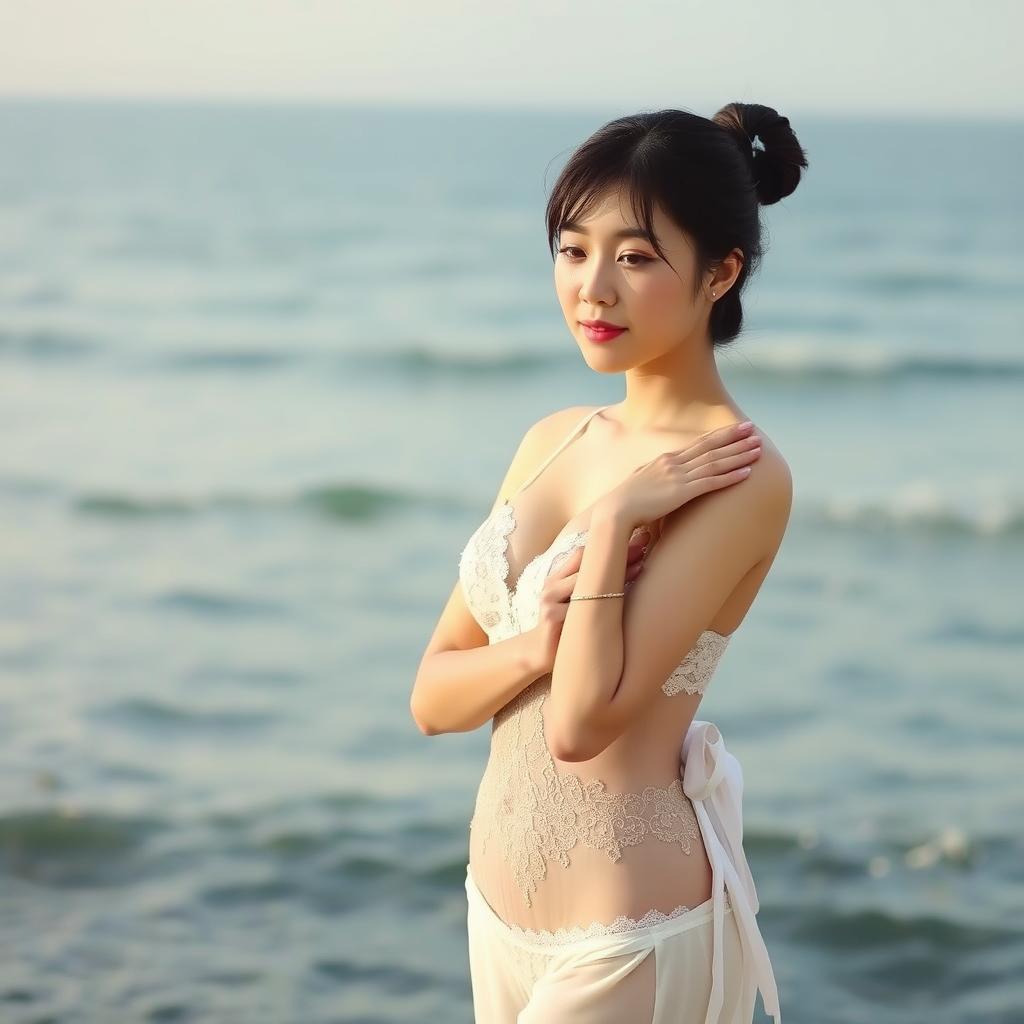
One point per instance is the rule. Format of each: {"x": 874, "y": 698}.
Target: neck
{"x": 680, "y": 392}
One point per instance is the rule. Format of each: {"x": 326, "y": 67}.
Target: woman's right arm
{"x": 458, "y": 689}
{"x": 462, "y": 680}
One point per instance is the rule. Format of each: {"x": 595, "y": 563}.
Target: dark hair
{"x": 704, "y": 172}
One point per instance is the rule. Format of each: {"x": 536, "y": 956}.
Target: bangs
{"x": 583, "y": 189}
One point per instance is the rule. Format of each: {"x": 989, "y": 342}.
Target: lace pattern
{"x": 693, "y": 673}
{"x": 621, "y": 925}
{"x": 501, "y": 612}
{"x": 483, "y": 569}
{"x": 534, "y": 812}
{"x": 540, "y": 814}
{"x": 561, "y": 936}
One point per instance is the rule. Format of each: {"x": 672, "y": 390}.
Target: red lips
{"x": 601, "y": 330}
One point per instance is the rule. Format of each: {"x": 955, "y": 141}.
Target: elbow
{"x": 563, "y": 752}
{"x": 426, "y": 729}
{"x": 578, "y": 735}
{"x": 422, "y": 723}
{"x": 575, "y": 743}
{"x": 581, "y": 733}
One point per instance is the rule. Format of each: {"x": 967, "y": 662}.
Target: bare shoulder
{"x": 561, "y": 421}
{"x": 757, "y": 509}
{"x": 774, "y": 495}
{"x": 539, "y": 440}
{"x": 774, "y": 481}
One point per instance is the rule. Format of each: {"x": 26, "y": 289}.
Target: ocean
{"x": 264, "y": 367}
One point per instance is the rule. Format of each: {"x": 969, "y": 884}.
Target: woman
{"x": 606, "y": 879}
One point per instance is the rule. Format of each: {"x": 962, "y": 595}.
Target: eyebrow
{"x": 630, "y": 232}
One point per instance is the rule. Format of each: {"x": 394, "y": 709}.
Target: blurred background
{"x": 275, "y": 309}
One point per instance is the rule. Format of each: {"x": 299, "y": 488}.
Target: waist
{"x": 650, "y": 926}
{"x": 559, "y": 886}
{"x": 550, "y": 810}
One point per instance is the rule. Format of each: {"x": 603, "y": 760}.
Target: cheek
{"x": 658, "y": 301}
{"x": 564, "y": 284}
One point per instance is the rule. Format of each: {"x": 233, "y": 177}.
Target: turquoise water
{"x": 263, "y": 369}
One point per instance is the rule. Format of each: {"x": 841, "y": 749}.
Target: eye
{"x": 641, "y": 260}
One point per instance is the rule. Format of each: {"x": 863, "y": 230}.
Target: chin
{"x": 609, "y": 362}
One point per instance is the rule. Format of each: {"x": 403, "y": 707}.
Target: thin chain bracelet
{"x": 590, "y": 597}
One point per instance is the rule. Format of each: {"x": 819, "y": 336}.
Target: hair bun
{"x": 769, "y": 143}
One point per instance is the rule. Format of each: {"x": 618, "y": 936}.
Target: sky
{"x": 880, "y": 57}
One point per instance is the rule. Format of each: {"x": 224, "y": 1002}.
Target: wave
{"x": 758, "y": 358}
{"x": 348, "y": 502}
{"x": 204, "y": 360}
{"x": 66, "y": 844}
{"x": 920, "y": 511}
{"x": 150, "y": 712}
{"x": 868, "y": 927}
{"x": 796, "y": 362}
{"x": 42, "y": 343}
{"x": 785, "y": 361}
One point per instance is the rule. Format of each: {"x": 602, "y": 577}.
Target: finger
{"x": 722, "y": 466}
{"x": 732, "y": 430}
{"x": 716, "y": 481}
{"x": 737, "y": 447}
{"x": 570, "y": 561}
{"x": 636, "y": 549}
{"x": 565, "y": 564}
{"x": 562, "y": 586}
{"x": 728, "y": 434}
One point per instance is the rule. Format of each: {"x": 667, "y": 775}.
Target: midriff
{"x": 557, "y": 844}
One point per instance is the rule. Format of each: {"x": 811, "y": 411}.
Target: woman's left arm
{"x": 614, "y": 654}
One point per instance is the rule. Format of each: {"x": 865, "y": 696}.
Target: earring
{"x": 712, "y": 293}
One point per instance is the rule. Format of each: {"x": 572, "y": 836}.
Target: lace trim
{"x": 483, "y": 568}
{"x": 575, "y": 933}
{"x": 503, "y": 611}
{"x": 694, "y": 672}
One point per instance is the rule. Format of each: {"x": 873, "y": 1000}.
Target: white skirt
{"x": 658, "y": 974}
{"x": 704, "y": 966}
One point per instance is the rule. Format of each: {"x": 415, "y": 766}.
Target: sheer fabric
{"x": 592, "y": 852}
{"x": 653, "y": 973}
{"x": 536, "y": 812}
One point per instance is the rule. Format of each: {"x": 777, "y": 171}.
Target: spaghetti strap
{"x": 572, "y": 433}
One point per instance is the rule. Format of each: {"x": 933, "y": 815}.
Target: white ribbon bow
{"x": 713, "y": 780}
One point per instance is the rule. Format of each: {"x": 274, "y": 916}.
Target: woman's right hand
{"x": 554, "y": 599}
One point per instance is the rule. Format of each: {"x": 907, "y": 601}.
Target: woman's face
{"x": 602, "y": 275}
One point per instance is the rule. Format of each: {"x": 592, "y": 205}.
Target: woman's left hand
{"x": 653, "y": 490}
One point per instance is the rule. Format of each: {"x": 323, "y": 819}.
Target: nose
{"x": 594, "y": 289}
